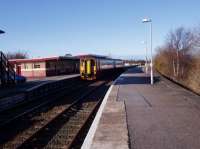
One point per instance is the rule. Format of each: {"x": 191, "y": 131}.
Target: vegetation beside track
{"x": 179, "y": 58}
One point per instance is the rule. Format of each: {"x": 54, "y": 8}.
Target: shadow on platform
{"x": 134, "y": 70}
{"x": 125, "y": 80}
{"x": 136, "y": 76}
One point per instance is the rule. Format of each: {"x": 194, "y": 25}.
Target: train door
{"x": 90, "y": 68}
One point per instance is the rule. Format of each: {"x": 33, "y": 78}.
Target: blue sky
{"x": 107, "y": 27}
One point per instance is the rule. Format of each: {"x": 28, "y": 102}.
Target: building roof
{"x": 91, "y": 55}
{"x": 42, "y": 59}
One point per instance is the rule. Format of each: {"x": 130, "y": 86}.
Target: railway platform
{"x": 135, "y": 114}
{"x": 13, "y": 90}
{"x": 53, "y": 78}
{"x": 11, "y": 96}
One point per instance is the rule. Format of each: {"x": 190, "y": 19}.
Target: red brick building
{"x": 42, "y": 67}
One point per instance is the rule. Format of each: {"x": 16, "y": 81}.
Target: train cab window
{"x": 83, "y": 63}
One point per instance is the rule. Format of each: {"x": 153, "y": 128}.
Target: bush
{"x": 179, "y": 58}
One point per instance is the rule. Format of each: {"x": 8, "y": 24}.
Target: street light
{"x": 147, "y": 20}
{"x": 2, "y": 32}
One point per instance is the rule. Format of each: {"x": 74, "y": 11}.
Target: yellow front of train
{"x": 88, "y": 69}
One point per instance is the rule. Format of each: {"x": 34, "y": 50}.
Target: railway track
{"x": 54, "y": 124}
{"x": 29, "y": 119}
{"x": 19, "y": 110}
{"x": 36, "y": 92}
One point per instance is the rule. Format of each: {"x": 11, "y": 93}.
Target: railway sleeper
{"x": 60, "y": 141}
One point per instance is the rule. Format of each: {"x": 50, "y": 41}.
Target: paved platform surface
{"x": 162, "y": 116}
{"x": 13, "y": 90}
{"x": 112, "y": 130}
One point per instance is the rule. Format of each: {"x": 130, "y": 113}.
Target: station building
{"x": 43, "y": 67}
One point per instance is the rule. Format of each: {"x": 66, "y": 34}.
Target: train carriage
{"x": 93, "y": 66}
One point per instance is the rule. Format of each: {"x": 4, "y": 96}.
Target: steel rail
{"x": 45, "y": 102}
{"x": 72, "y": 108}
{"x": 61, "y": 115}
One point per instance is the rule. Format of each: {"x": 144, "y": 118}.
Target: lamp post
{"x": 2, "y": 32}
{"x": 145, "y": 43}
{"x": 147, "y": 20}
